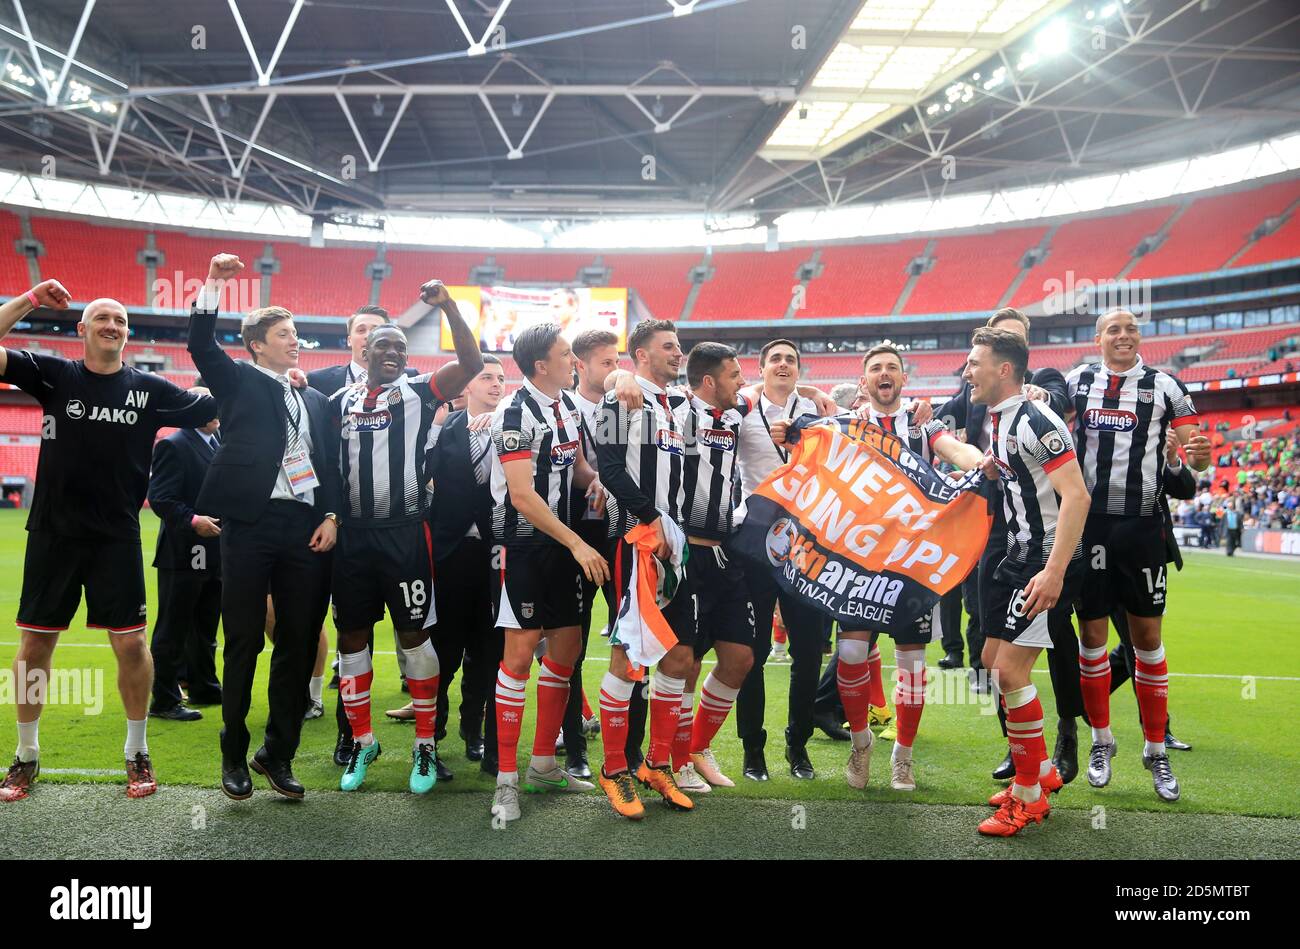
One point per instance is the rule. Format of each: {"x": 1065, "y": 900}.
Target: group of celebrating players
{"x": 529, "y": 504}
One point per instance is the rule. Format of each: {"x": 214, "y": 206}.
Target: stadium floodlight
{"x": 895, "y": 54}
{"x": 1053, "y": 39}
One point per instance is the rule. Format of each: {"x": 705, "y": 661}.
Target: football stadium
{"x": 636, "y": 414}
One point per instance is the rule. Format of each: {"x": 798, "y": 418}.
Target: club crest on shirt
{"x": 1146, "y": 395}
{"x": 1110, "y": 420}
{"x": 526, "y": 610}
{"x": 563, "y": 455}
{"x": 1013, "y": 445}
{"x": 394, "y": 396}
{"x": 670, "y": 441}
{"x": 719, "y": 438}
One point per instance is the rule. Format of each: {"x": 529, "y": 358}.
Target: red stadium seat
{"x": 14, "y": 278}
{"x": 543, "y": 267}
{"x": 972, "y": 272}
{"x": 750, "y": 285}
{"x": 189, "y": 257}
{"x": 1095, "y": 249}
{"x": 93, "y": 260}
{"x": 1214, "y": 228}
{"x": 1282, "y": 244}
{"x": 412, "y": 268}
{"x": 20, "y": 419}
{"x": 662, "y": 281}
{"x": 860, "y": 279}
{"x": 321, "y": 281}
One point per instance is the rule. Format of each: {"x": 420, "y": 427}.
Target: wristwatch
{"x": 333, "y": 517}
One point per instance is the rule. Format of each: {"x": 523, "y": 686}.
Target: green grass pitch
{"x": 1234, "y": 694}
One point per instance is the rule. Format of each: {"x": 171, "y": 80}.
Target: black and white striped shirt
{"x": 711, "y": 479}
{"x": 643, "y": 455}
{"x": 1029, "y": 442}
{"x": 546, "y": 432}
{"x": 384, "y": 432}
{"x": 919, "y": 438}
{"x": 1121, "y": 419}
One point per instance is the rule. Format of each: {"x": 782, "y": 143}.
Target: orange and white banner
{"x": 861, "y": 527}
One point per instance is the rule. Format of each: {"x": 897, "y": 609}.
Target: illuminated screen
{"x": 498, "y": 314}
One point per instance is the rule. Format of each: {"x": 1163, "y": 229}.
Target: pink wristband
{"x": 36, "y": 304}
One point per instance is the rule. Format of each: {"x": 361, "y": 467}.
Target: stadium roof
{"x": 555, "y": 108}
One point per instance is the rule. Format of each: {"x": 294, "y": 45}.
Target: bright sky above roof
{"x": 1080, "y": 195}
{"x": 895, "y": 54}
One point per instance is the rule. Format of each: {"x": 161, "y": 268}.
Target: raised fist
{"x": 434, "y": 293}
{"x": 224, "y": 267}
{"x": 52, "y": 294}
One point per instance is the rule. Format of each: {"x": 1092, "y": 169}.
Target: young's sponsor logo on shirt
{"x": 1110, "y": 420}
{"x": 367, "y": 422}
{"x": 670, "y": 441}
{"x": 564, "y": 455}
{"x": 720, "y": 438}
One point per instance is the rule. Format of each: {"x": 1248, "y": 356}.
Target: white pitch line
{"x": 88, "y": 772}
{"x": 710, "y": 662}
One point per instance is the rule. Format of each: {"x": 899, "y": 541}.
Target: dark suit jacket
{"x": 329, "y": 380}
{"x": 969, "y": 415}
{"x": 1183, "y": 487}
{"x": 254, "y": 425}
{"x": 180, "y": 462}
{"x": 458, "y": 499}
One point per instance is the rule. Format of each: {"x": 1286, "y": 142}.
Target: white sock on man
{"x": 135, "y": 738}
{"x": 1102, "y": 736}
{"x": 315, "y": 687}
{"x": 901, "y": 753}
{"x": 29, "y": 746}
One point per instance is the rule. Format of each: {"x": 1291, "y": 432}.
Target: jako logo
{"x": 103, "y": 902}
{"x": 1110, "y": 420}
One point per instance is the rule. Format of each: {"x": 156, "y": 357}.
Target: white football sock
{"x": 315, "y": 687}
{"x": 135, "y": 738}
{"x": 29, "y": 746}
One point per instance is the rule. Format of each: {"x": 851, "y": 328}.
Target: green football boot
{"x": 424, "y": 773}
{"x": 358, "y": 763}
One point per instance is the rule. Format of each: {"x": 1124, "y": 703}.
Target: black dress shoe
{"x": 343, "y": 750}
{"x": 1066, "y": 754}
{"x": 474, "y": 749}
{"x": 577, "y": 766}
{"x": 204, "y": 698}
{"x": 334, "y": 682}
{"x": 833, "y": 729}
{"x": 755, "y": 764}
{"x": 444, "y": 773}
{"x": 951, "y": 661}
{"x": 1005, "y": 769}
{"x": 177, "y": 713}
{"x": 488, "y": 765}
{"x": 236, "y": 783}
{"x": 800, "y": 766}
{"x": 279, "y": 774}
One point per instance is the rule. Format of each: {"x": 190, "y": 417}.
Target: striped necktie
{"x": 293, "y": 440}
